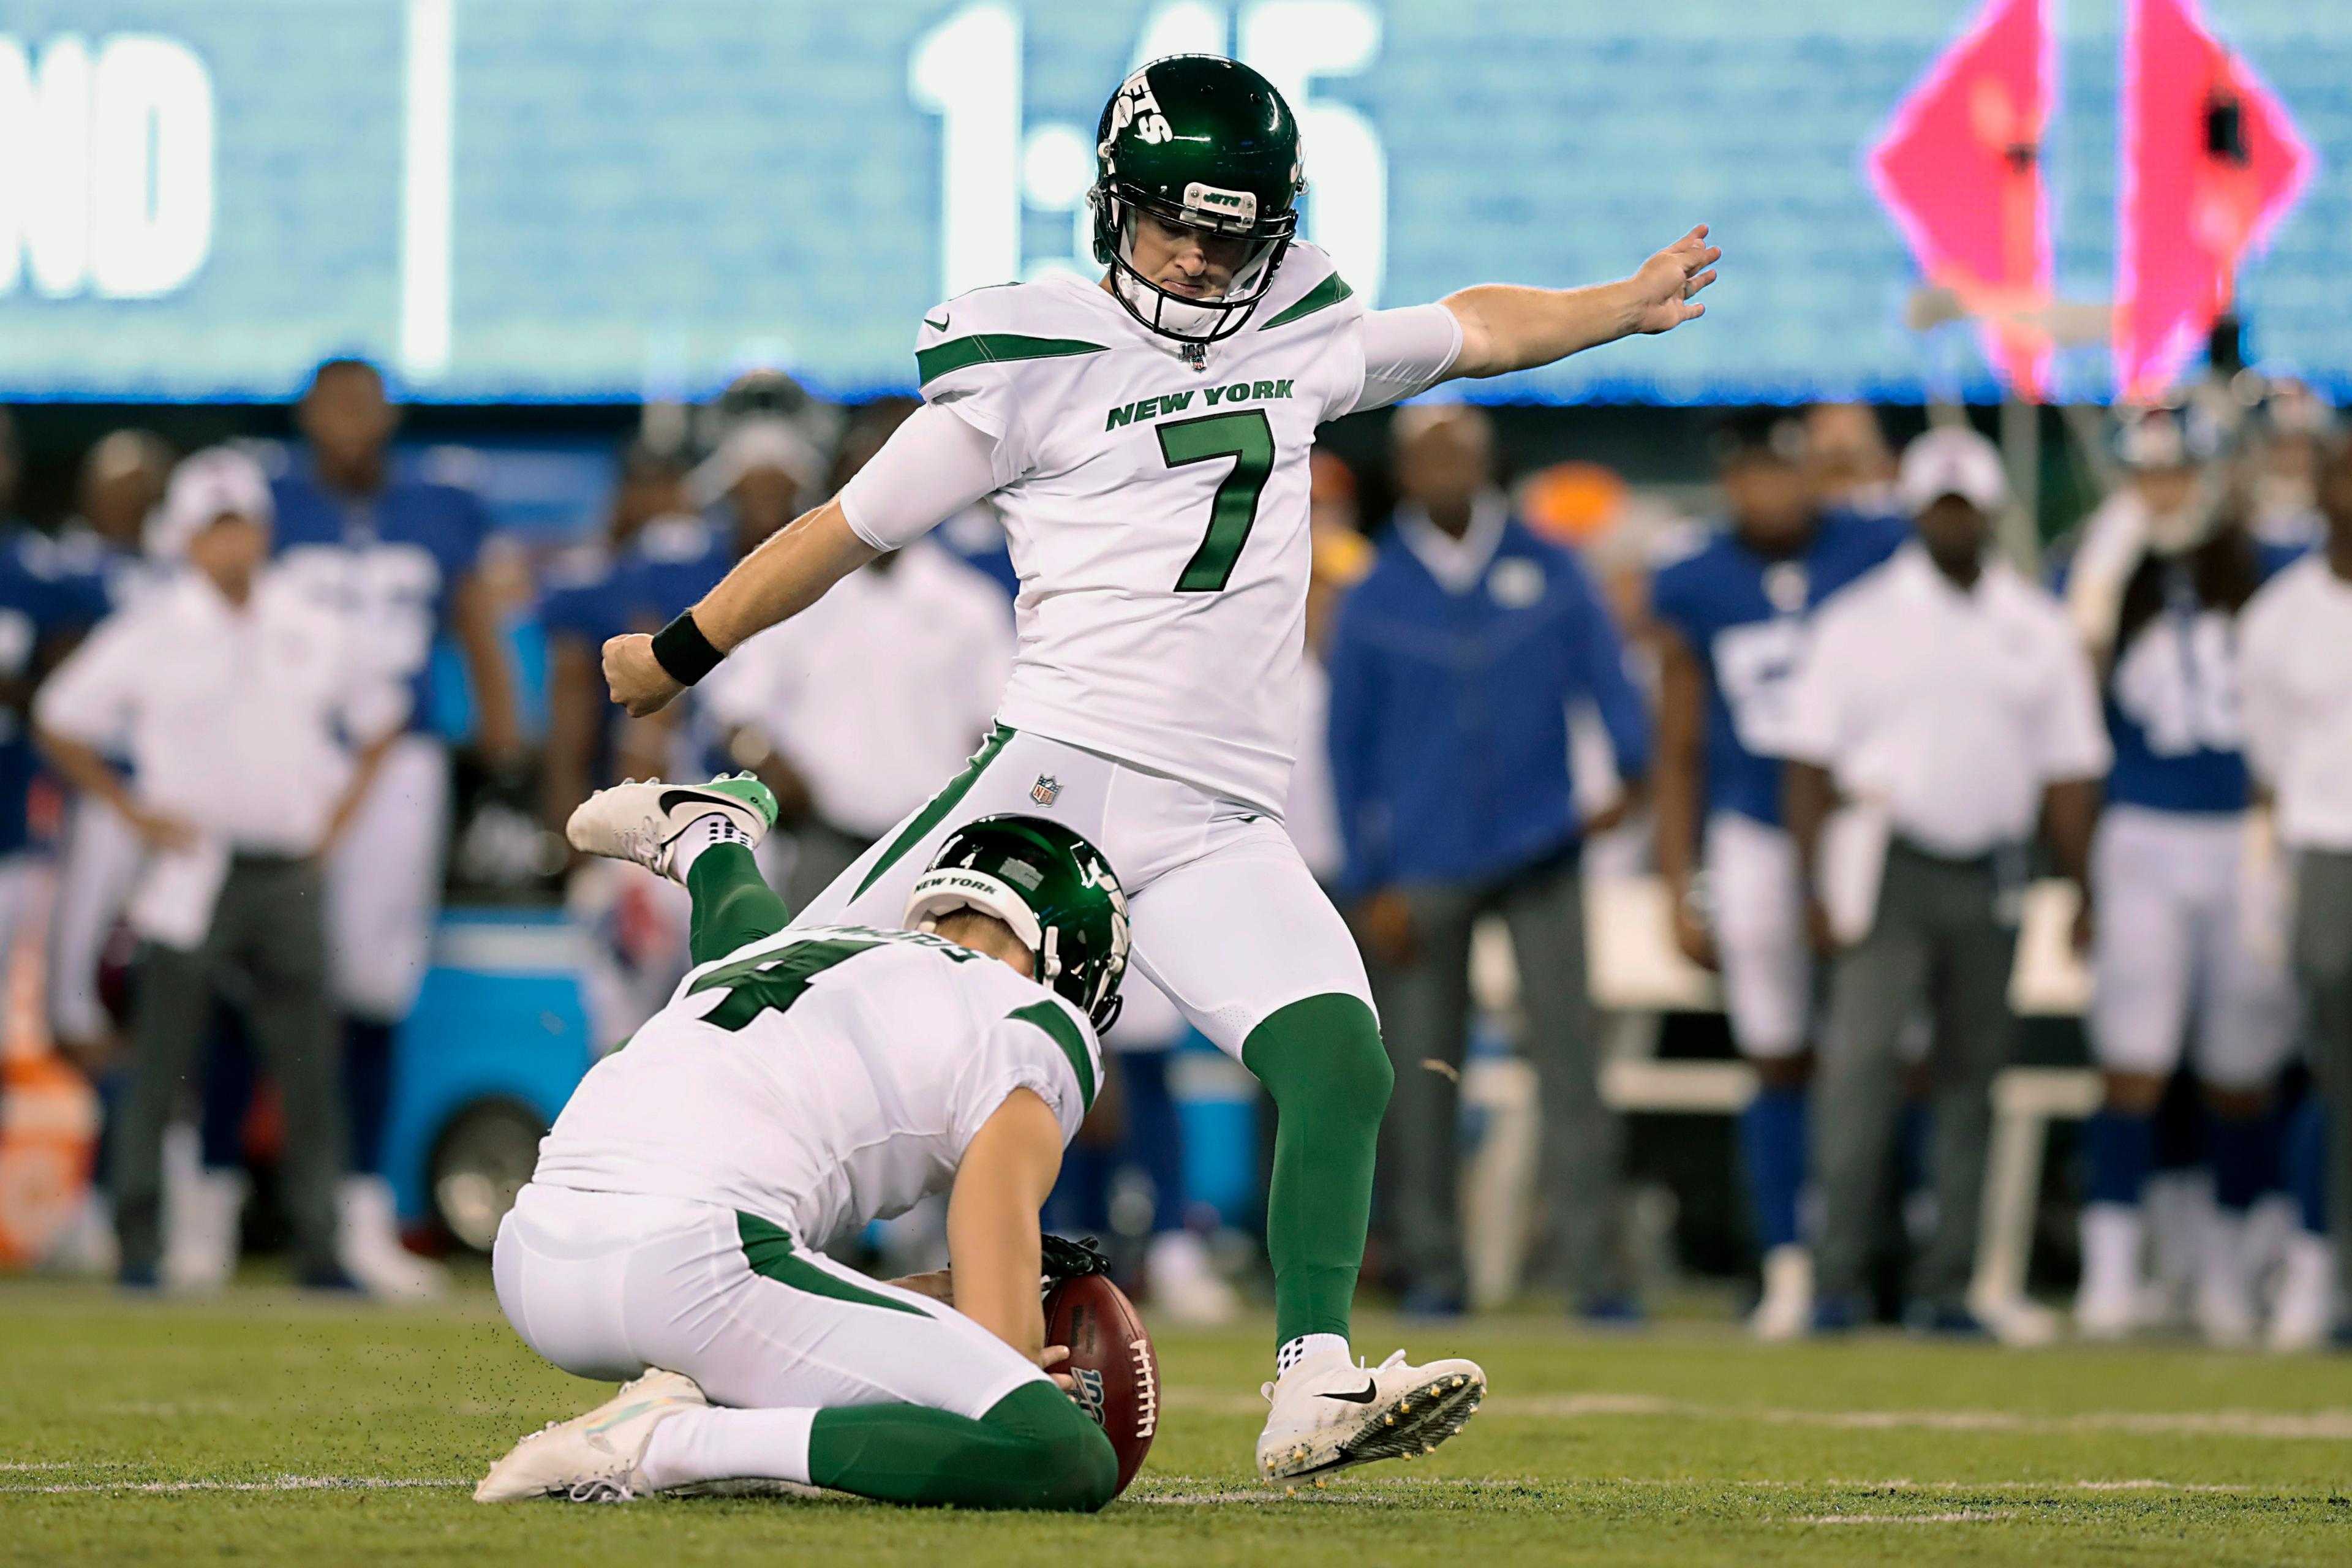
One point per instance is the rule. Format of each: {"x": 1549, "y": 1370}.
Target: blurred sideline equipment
{"x": 1638, "y": 975}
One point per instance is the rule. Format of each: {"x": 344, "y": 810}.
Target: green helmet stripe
{"x": 1064, "y": 1034}
{"x": 1329, "y": 292}
{"x": 992, "y": 348}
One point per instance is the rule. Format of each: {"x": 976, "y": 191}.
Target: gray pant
{"x": 270, "y": 923}
{"x": 1938, "y": 938}
{"x": 1424, "y": 1018}
{"x": 2323, "y": 962}
{"x": 820, "y": 855}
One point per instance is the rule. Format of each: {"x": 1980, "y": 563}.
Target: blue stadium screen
{"x": 610, "y": 199}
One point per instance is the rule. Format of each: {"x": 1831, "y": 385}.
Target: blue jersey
{"x": 2172, "y": 698}
{"x": 670, "y": 563}
{"x": 1743, "y": 616}
{"x": 392, "y": 560}
{"x": 44, "y": 593}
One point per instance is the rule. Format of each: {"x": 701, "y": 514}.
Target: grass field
{"x": 267, "y": 1429}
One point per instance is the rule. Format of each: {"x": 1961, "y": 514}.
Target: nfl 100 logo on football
{"x": 1046, "y": 790}
{"x": 1089, "y": 1391}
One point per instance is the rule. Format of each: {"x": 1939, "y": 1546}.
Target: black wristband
{"x": 680, "y": 649}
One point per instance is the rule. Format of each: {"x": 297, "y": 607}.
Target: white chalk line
{"x": 280, "y": 1484}
{"x": 2326, "y": 1426}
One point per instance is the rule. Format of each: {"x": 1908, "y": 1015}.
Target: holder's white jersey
{"x": 820, "y": 1078}
{"x": 1157, "y": 512}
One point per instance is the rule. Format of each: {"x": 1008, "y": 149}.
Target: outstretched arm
{"x": 1507, "y": 327}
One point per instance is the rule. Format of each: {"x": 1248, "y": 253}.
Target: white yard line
{"x": 2326, "y": 1426}
{"x": 1965, "y": 1516}
{"x": 281, "y": 1484}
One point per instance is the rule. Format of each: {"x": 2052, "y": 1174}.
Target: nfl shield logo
{"x": 1046, "y": 790}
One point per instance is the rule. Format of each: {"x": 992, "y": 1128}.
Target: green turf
{"x": 271, "y": 1429}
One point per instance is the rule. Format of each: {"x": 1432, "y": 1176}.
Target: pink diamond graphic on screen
{"x": 1960, "y": 170}
{"x": 2212, "y": 162}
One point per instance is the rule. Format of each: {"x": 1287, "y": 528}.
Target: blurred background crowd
{"x": 1768, "y": 760}
{"x": 1847, "y": 810}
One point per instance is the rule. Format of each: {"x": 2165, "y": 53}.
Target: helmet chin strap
{"x": 1166, "y": 311}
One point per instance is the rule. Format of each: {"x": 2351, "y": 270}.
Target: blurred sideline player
{"x": 2296, "y": 681}
{"x": 46, "y": 605}
{"x": 123, "y": 480}
{"x": 748, "y": 488}
{"x": 1181, "y": 1282}
{"x": 1848, "y": 464}
{"x": 803, "y": 1082}
{"x": 2292, "y": 428}
{"x": 578, "y": 610}
{"x": 1732, "y": 619}
{"x": 398, "y": 554}
{"x": 2191, "y": 940}
{"x": 853, "y": 712}
{"x": 1146, "y": 442}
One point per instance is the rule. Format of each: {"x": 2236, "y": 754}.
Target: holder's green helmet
{"x": 1053, "y": 888}
{"x": 1208, "y": 143}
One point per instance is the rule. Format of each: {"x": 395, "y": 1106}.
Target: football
{"x": 1111, "y": 1358}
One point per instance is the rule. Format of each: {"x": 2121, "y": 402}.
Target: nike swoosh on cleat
{"x": 1372, "y": 1392}
{"x": 673, "y": 798}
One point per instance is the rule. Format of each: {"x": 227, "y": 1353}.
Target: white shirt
{"x": 1458, "y": 564}
{"x": 841, "y": 1086}
{"x": 1952, "y": 707}
{"x": 238, "y": 720}
{"x": 2294, "y": 676}
{"x": 877, "y": 692}
{"x": 1157, "y": 514}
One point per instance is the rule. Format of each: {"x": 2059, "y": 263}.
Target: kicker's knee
{"x": 1322, "y": 1054}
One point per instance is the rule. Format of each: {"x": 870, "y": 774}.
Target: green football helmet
{"x": 1208, "y": 143}
{"x": 1053, "y": 888}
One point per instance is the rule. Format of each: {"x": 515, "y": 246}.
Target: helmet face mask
{"x": 1051, "y": 888}
{"x": 1204, "y": 143}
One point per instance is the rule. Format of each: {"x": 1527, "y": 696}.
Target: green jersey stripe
{"x": 770, "y": 1252}
{"x": 1064, "y": 1034}
{"x": 1329, "y": 292}
{"x": 931, "y": 815}
{"x": 990, "y": 348}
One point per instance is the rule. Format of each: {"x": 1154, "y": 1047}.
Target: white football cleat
{"x": 1186, "y": 1288}
{"x": 640, "y": 821}
{"x": 369, "y": 1248}
{"x": 2305, "y": 1309}
{"x": 1327, "y": 1413}
{"x": 2110, "y": 1302}
{"x": 1785, "y": 1310}
{"x": 2226, "y": 1315}
{"x": 592, "y": 1457}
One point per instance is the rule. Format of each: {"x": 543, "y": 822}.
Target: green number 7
{"x": 1248, "y": 439}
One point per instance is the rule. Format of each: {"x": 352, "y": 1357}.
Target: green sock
{"x": 1033, "y": 1449}
{"x": 733, "y": 902}
{"x": 1322, "y": 1061}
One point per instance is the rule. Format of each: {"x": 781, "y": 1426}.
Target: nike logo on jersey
{"x": 938, "y": 326}
{"x": 1210, "y": 396}
{"x": 1372, "y": 1392}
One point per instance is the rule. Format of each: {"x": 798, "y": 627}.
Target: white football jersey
{"x": 820, "y": 1079}
{"x": 1157, "y": 512}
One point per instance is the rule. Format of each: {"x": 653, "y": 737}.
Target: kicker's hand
{"x": 1665, "y": 288}
{"x": 638, "y": 680}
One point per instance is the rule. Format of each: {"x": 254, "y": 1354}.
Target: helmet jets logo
{"x": 1221, "y": 206}
{"x": 1135, "y": 106}
{"x": 1046, "y": 790}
